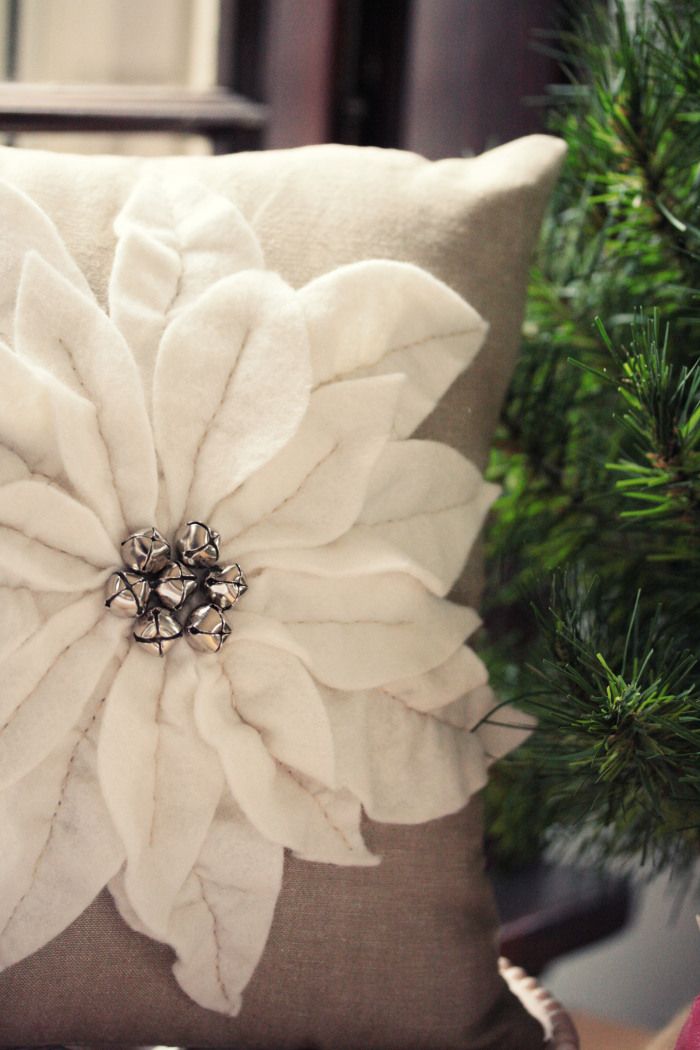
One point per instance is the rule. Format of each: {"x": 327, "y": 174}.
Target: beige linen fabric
{"x": 396, "y": 957}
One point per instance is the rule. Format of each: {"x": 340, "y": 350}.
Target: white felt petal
{"x": 275, "y": 694}
{"x": 66, "y": 333}
{"x": 163, "y": 799}
{"x": 12, "y": 466}
{"x": 429, "y": 502}
{"x": 31, "y": 230}
{"x": 26, "y": 426}
{"x": 222, "y": 915}
{"x": 26, "y": 562}
{"x": 175, "y": 238}
{"x": 58, "y": 845}
{"x": 282, "y": 804}
{"x": 463, "y": 673}
{"x": 360, "y": 632}
{"x": 315, "y": 487}
{"x": 55, "y": 433}
{"x": 230, "y": 389}
{"x": 47, "y": 681}
{"x": 224, "y": 911}
{"x": 500, "y": 728}
{"x": 405, "y": 766}
{"x": 44, "y": 513}
{"x": 19, "y": 618}
{"x": 123, "y": 905}
{"x": 378, "y": 316}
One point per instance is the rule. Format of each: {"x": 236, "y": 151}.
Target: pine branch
{"x": 616, "y": 752}
{"x": 661, "y": 415}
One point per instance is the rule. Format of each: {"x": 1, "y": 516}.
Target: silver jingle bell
{"x": 174, "y": 585}
{"x": 157, "y": 631}
{"x": 207, "y": 629}
{"x": 198, "y": 545}
{"x": 225, "y": 585}
{"x": 127, "y": 593}
{"x": 146, "y": 551}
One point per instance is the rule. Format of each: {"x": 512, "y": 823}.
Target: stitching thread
{"x": 62, "y": 653}
{"x": 397, "y": 349}
{"x": 98, "y": 423}
{"x": 217, "y": 942}
{"x": 289, "y": 498}
{"x": 52, "y": 820}
{"x": 215, "y": 413}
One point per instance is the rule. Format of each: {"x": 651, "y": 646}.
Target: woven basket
{"x": 558, "y": 1026}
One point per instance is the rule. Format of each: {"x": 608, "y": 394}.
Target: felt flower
{"x": 208, "y": 389}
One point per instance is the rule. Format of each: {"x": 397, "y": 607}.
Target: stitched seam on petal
{"x": 413, "y": 517}
{"x": 397, "y": 349}
{"x": 348, "y": 623}
{"x": 45, "y": 675}
{"x": 217, "y": 942}
{"x": 156, "y": 760}
{"x": 293, "y": 495}
{"x": 181, "y": 258}
{"x": 423, "y": 714}
{"x": 212, "y": 417}
{"x": 52, "y": 820}
{"x": 93, "y": 402}
{"x": 324, "y": 812}
{"x": 288, "y": 769}
{"x": 50, "y": 546}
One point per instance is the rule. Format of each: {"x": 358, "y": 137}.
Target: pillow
{"x": 400, "y": 953}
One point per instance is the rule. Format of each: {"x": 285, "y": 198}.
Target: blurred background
{"x": 198, "y": 75}
{"x": 442, "y": 78}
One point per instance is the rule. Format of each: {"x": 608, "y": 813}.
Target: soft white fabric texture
{"x": 213, "y": 390}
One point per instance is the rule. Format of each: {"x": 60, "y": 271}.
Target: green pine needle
{"x": 617, "y": 748}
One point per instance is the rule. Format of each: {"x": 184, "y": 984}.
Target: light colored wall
{"x": 136, "y": 42}
{"x": 645, "y": 974}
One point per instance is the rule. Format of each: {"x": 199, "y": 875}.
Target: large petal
{"x": 19, "y": 618}
{"x": 405, "y": 766}
{"x": 163, "y": 801}
{"x": 360, "y": 632}
{"x": 26, "y": 423}
{"x": 231, "y": 387}
{"x": 55, "y": 433}
{"x": 464, "y": 673}
{"x": 12, "y": 466}
{"x": 66, "y": 333}
{"x": 283, "y": 805}
{"x": 315, "y": 487}
{"x": 223, "y": 913}
{"x": 275, "y": 694}
{"x": 424, "y": 507}
{"x": 41, "y": 512}
{"x": 58, "y": 845}
{"x": 26, "y": 562}
{"x": 28, "y": 229}
{"x": 175, "y": 238}
{"x": 47, "y": 681}
{"x": 380, "y": 316}
{"x": 429, "y": 502}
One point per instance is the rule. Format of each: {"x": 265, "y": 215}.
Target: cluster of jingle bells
{"x": 153, "y": 587}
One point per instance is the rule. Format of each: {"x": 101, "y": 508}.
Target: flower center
{"x": 171, "y": 597}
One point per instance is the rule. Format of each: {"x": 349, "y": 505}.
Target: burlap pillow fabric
{"x": 404, "y": 954}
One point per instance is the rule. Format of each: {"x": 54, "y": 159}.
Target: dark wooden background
{"x": 442, "y": 77}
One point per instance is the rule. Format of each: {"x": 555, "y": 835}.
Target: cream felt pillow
{"x": 247, "y": 342}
